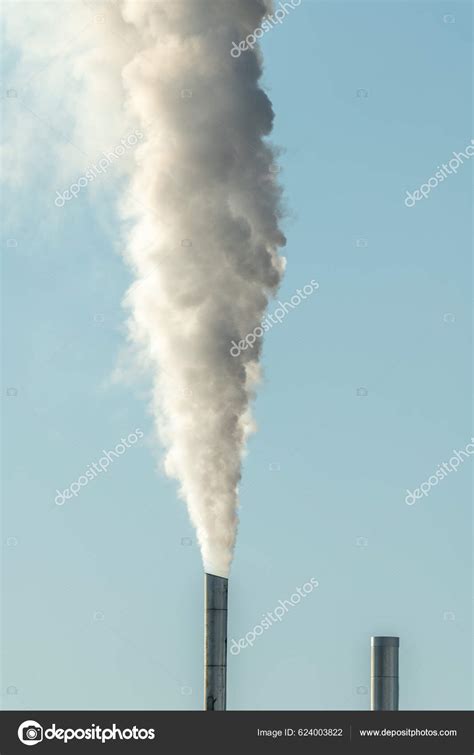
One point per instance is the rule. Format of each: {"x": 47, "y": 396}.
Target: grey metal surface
{"x": 384, "y": 689}
{"x": 215, "y": 642}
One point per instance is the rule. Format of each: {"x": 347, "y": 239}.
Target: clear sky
{"x": 367, "y": 390}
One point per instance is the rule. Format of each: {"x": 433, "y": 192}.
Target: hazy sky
{"x": 367, "y": 390}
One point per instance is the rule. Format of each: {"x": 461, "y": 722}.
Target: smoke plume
{"x": 203, "y": 244}
{"x": 201, "y": 215}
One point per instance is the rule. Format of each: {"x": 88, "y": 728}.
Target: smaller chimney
{"x": 384, "y": 673}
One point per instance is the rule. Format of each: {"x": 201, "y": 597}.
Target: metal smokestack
{"x": 384, "y": 673}
{"x": 215, "y": 642}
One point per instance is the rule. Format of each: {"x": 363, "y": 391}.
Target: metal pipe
{"x": 384, "y": 673}
{"x": 215, "y": 642}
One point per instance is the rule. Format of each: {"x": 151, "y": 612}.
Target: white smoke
{"x": 202, "y": 220}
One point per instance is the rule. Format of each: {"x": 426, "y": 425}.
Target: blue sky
{"x": 367, "y": 390}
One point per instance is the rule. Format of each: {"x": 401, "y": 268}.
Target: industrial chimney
{"x": 384, "y": 673}
{"x": 215, "y": 642}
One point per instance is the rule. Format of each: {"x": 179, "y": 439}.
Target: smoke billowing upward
{"x": 203, "y": 243}
{"x": 200, "y": 211}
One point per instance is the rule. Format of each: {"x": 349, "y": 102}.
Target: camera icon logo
{"x": 449, "y": 616}
{"x": 30, "y": 733}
